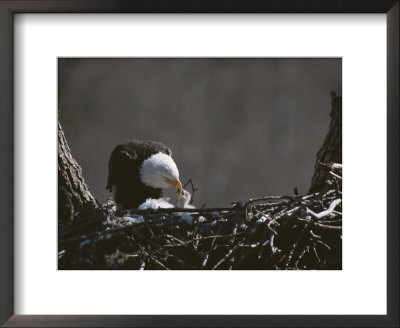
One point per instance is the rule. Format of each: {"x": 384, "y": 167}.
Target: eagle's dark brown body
{"x": 123, "y": 172}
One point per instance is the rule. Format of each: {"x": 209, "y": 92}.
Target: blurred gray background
{"x": 239, "y": 128}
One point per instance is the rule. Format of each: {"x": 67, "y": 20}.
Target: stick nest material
{"x": 276, "y": 232}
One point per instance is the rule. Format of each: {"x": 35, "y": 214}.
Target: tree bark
{"x": 73, "y": 193}
{"x": 331, "y": 150}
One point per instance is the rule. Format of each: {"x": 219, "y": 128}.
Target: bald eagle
{"x": 138, "y": 170}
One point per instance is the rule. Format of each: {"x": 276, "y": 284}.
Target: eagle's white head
{"x": 160, "y": 171}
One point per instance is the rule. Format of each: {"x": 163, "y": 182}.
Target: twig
{"x": 332, "y": 166}
{"x": 193, "y": 189}
{"x": 204, "y": 263}
{"x": 291, "y": 252}
{"x": 227, "y": 255}
{"x": 329, "y": 227}
{"x": 155, "y": 260}
{"x": 335, "y": 175}
{"x": 326, "y": 212}
{"x": 205, "y": 238}
{"x": 176, "y": 210}
{"x": 142, "y": 264}
{"x": 316, "y": 253}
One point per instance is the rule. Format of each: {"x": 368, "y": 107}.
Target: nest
{"x": 269, "y": 233}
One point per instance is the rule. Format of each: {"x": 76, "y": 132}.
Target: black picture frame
{"x": 10, "y": 7}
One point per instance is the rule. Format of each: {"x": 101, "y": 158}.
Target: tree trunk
{"x": 331, "y": 150}
{"x": 73, "y": 193}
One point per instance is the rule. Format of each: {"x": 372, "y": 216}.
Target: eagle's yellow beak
{"x": 178, "y": 186}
